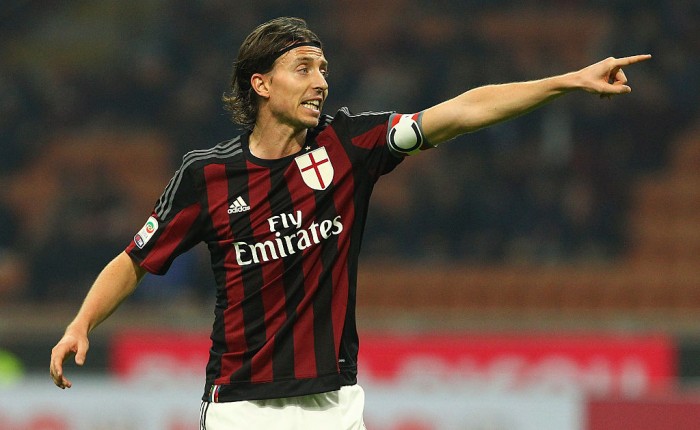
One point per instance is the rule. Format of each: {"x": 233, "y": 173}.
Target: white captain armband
{"x": 405, "y": 134}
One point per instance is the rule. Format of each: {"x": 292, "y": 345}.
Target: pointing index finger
{"x": 626, "y": 61}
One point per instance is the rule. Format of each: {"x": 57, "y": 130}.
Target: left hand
{"x": 606, "y": 77}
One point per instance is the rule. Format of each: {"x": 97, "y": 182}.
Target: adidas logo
{"x": 239, "y": 205}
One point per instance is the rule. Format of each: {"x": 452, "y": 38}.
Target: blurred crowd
{"x": 99, "y": 101}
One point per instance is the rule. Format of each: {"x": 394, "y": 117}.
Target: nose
{"x": 320, "y": 83}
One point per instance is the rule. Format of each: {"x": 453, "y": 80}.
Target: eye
{"x": 303, "y": 70}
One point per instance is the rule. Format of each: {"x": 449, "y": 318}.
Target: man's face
{"x": 297, "y": 87}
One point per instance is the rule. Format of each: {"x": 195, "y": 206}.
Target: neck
{"x": 271, "y": 143}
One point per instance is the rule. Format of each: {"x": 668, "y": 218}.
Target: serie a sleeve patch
{"x": 146, "y": 232}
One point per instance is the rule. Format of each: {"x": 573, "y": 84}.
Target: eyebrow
{"x": 309, "y": 59}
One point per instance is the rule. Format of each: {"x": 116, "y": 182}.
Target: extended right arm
{"x": 114, "y": 284}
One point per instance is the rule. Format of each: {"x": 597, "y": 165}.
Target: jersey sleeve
{"x": 173, "y": 227}
{"x": 365, "y": 135}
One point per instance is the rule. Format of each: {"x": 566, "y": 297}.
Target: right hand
{"x": 70, "y": 344}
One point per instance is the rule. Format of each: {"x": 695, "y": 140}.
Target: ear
{"x": 260, "y": 84}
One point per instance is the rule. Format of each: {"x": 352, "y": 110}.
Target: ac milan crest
{"x": 316, "y": 168}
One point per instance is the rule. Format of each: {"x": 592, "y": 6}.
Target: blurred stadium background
{"x": 541, "y": 274}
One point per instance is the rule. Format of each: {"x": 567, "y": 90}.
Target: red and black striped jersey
{"x": 284, "y": 237}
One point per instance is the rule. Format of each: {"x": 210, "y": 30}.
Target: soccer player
{"x": 282, "y": 208}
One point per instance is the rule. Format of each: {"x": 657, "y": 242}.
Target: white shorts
{"x": 337, "y": 410}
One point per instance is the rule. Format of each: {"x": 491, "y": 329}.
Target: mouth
{"x": 314, "y": 105}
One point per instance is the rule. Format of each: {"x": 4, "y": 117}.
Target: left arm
{"x": 491, "y": 104}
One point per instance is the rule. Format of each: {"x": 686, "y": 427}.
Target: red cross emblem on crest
{"x": 316, "y": 168}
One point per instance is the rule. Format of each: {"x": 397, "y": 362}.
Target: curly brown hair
{"x": 257, "y": 54}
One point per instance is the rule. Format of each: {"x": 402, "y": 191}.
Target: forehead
{"x": 303, "y": 54}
